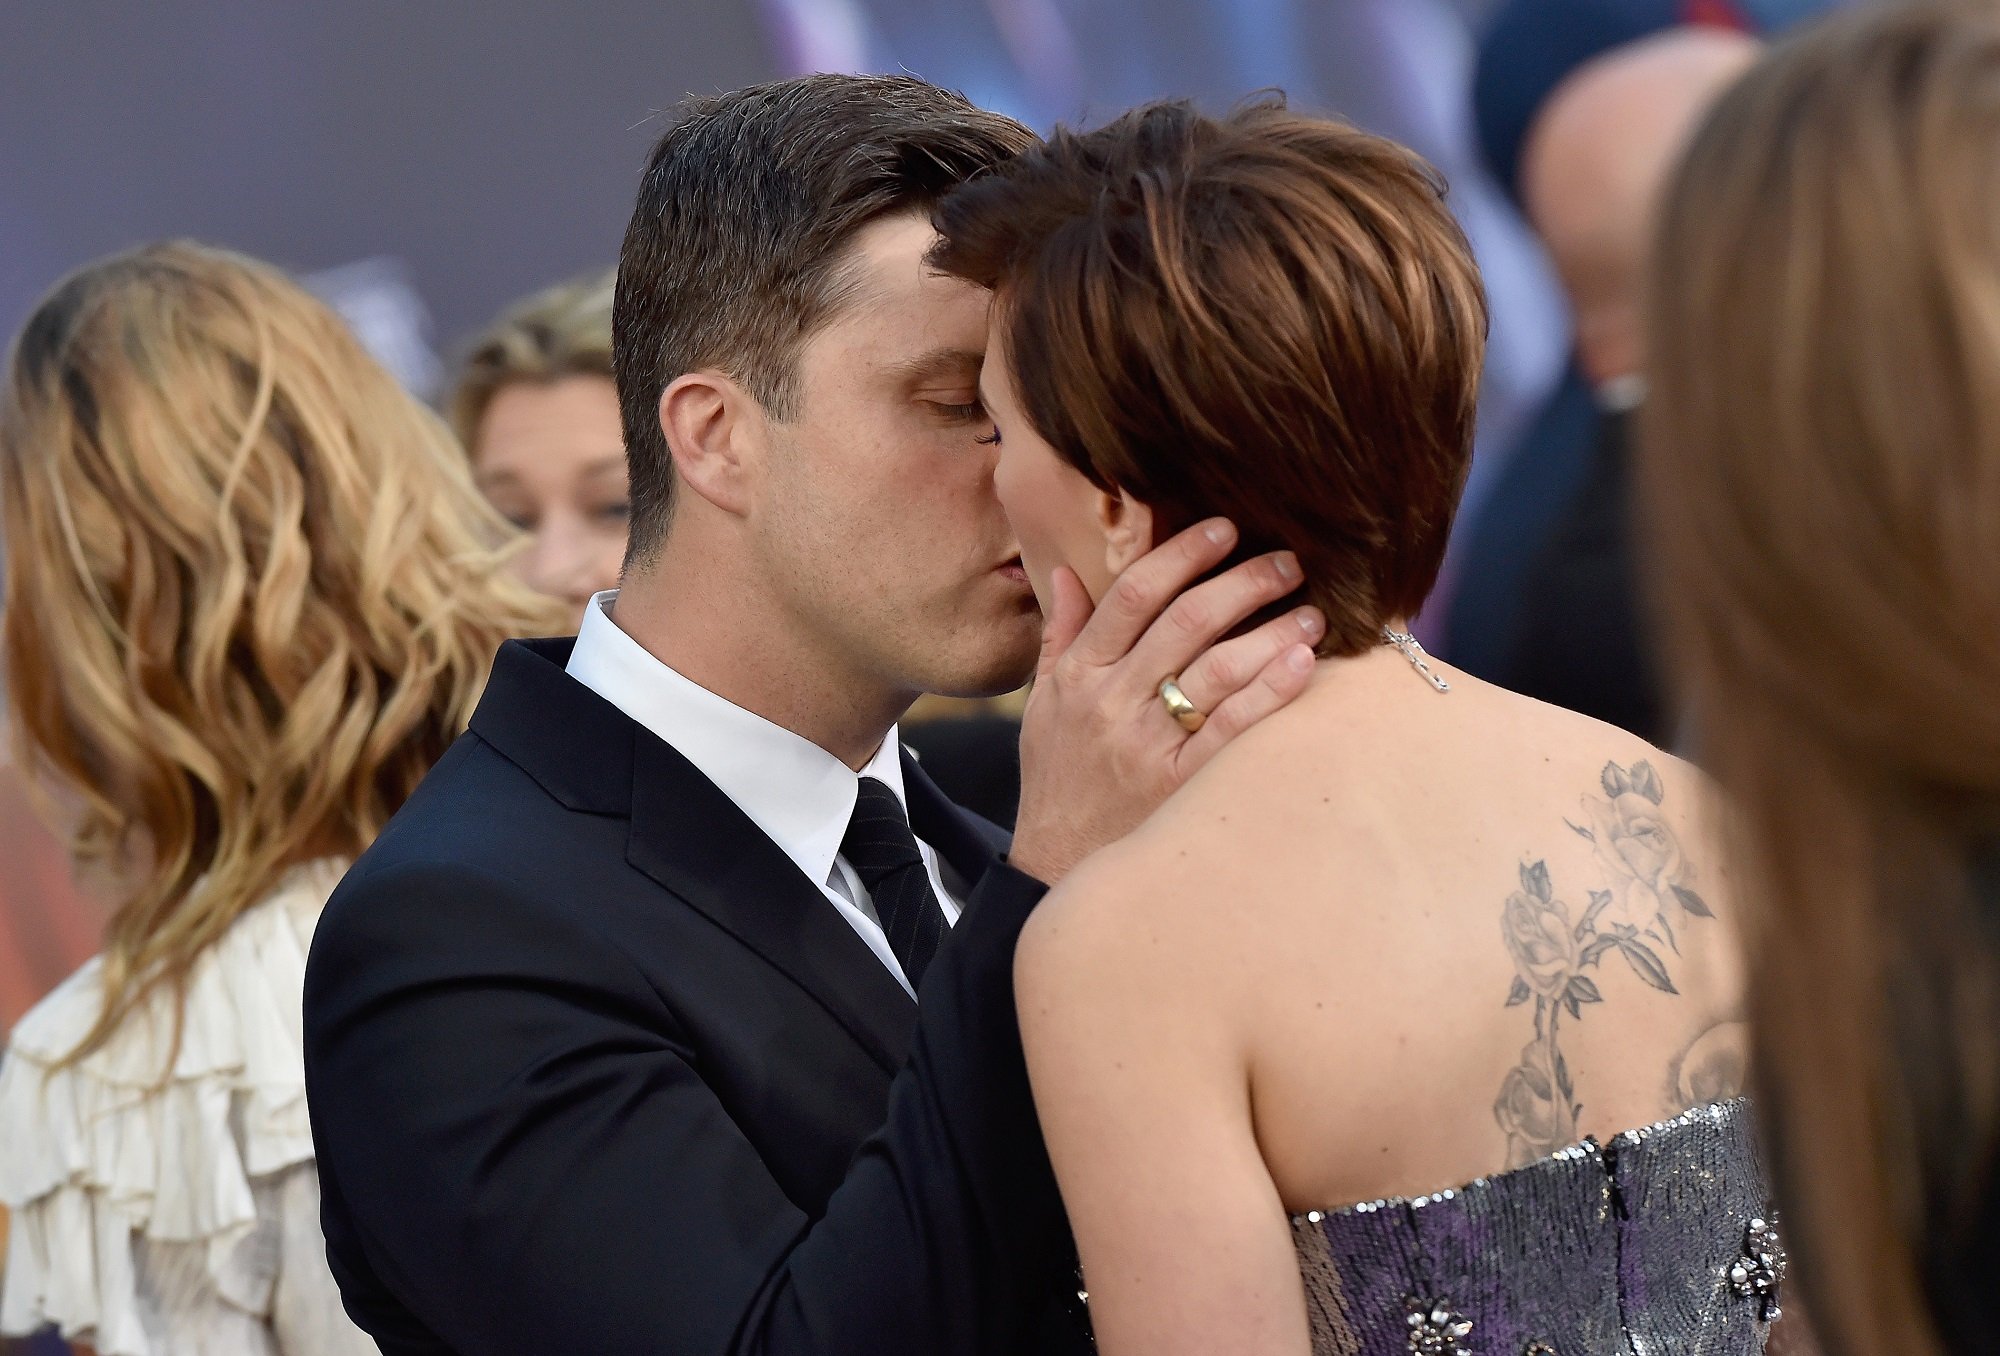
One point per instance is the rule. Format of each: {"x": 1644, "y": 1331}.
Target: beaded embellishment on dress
{"x": 1760, "y": 1272}
{"x": 1658, "y": 1240}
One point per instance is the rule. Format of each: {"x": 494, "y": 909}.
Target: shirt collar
{"x": 800, "y": 796}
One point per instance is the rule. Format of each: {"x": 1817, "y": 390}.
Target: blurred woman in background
{"x": 538, "y": 414}
{"x": 252, "y": 595}
{"x": 49, "y": 924}
{"x": 1821, "y": 476}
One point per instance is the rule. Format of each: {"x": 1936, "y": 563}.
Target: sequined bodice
{"x": 1654, "y": 1242}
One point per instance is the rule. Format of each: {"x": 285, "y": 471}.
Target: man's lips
{"x": 1012, "y": 569}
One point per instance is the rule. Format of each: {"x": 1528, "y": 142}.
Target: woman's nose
{"x": 561, "y": 563}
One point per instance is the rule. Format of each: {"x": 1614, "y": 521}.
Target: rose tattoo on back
{"x": 1555, "y": 945}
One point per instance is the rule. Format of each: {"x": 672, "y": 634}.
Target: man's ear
{"x": 716, "y": 432}
{"x": 1127, "y": 525}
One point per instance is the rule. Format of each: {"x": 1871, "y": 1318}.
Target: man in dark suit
{"x": 612, "y": 1037}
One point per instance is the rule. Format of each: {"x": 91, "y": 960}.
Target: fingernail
{"x": 1310, "y": 621}
{"x": 1288, "y": 567}
{"x": 1217, "y": 530}
{"x": 1300, "y": 659}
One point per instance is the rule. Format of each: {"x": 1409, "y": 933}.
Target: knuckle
{"x": 1128, "y": 594}
{"x": 1225, "y": 720}
{"x": 1188, "y": 617}
{"x": 1103, "y": 717}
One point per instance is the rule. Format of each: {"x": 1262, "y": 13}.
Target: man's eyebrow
{"x": 938, "y": 362}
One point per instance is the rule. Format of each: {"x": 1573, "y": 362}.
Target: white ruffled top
{"x": 157, "y": 1218}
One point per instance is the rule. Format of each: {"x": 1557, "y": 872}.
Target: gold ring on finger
{"x": 1178, "y": 706}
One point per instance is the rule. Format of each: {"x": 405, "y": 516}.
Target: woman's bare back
{"x": 1389, "y": 943}
{"x": 1474, "y": 929}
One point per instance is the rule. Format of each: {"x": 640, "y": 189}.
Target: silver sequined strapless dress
{"x": 1659, "y": 1241}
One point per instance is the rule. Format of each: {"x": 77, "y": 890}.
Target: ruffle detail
{"x": 98, "y": 1155}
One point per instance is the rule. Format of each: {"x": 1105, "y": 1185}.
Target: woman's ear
{"x": 1127, "y": 525}
{"x": 715, "y": 432}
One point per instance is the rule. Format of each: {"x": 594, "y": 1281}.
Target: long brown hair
{"x": 1821, "y": 481}
{"x": 251, "y": 590}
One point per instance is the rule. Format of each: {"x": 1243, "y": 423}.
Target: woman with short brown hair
{"x": 1410, "y": 932}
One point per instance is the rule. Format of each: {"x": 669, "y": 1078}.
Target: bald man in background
{"x": 1594, "y": 164}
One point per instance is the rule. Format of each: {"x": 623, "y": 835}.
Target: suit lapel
{"x": 576, "y": 745}
{"x": 694, "y": 840}
{"x": 967, "y": 844}
{"x": 691, "y": 839}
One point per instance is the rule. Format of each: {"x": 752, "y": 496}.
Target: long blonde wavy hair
{"x": 1820, "y": 474}
{"x": 251, "y": 591}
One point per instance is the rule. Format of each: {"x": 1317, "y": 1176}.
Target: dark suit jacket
{"x": 1582, "y": 639}
{"x": 1495, "y": 542}
{"x": 594, "y": 1068}
{"x": 975, "y": 760}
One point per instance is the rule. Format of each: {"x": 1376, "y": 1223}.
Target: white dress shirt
{"x": 800, "y": 796}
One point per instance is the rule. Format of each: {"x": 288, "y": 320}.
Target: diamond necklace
{"x": 1414, "y": 652}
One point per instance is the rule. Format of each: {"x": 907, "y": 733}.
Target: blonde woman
{"x": 538, "y": 414}
{"x": 252, "y": 595}
{"x": 1821, "y": 476}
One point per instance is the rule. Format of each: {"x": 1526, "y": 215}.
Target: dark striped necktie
{"x": 883, "y": 852}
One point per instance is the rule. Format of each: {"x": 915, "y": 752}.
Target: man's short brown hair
{"x": 732, "y": 258}
{"x": 1266, "y": 315}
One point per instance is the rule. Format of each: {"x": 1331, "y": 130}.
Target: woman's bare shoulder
{"x": 1139, "y": 922}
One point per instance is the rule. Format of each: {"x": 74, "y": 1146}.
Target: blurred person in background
{"x": 252, "y": 595}
{"x": 1819, "y": 474}
{"x": 1412, "y": 930}
{"x": 1526, "y": 49}
{"x": 537, "y": 411}
{"x": 48, "y": 927}
{"x": 1592, "y": 169}
{"x": 49, "y": 923}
